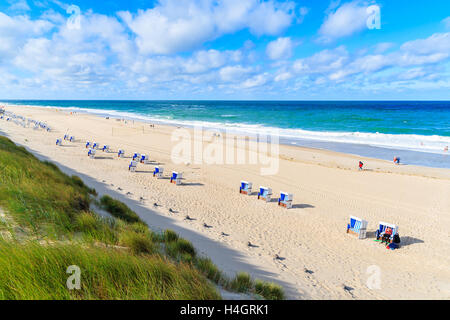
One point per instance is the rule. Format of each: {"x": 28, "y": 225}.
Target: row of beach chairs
{"x": 22, "y": 121}
{"x": 158, "y": 171}
{"x": 358, "y": 227}
{"x": 264, "y": 193}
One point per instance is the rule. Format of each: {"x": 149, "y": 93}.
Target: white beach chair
{"x": 265, "y": 194}
{"x": 176, "y": 177}
{"x": 121, "y": 153}
{"x": 285, "y": 199}
{"x": 357, "y": 227}
{"x": 158, "y": 172}
{"x": 133, "y": 165}
{"x": 66, "y": 137}
{"x": 91, "y": 153}
{"x": 72, "y": 139}
{"x": 245, "y": 188}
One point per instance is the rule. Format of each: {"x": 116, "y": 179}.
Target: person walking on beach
{"x": 397, "y": 160}
{"x": 361, "y": 165}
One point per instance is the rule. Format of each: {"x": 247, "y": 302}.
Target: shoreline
{"x": 327, "y": 189}
{"x": 415, "y": 157}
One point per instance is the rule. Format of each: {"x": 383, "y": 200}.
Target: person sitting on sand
{"x": 395, "y": 242}
{"x": 386, "y": 236}
{"x": 361, "y": 165}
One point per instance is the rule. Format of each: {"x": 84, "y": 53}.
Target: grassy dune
{"x": 47, "y": 224}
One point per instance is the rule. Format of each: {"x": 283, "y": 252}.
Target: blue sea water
{"x": 417, "y": 131}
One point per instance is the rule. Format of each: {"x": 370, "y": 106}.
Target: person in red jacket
{"x": 361, "y": 165}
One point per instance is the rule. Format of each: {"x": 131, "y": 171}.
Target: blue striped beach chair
{"x": 382, "y": 226}
{"x": 145, "y": 159}
{"x": 66, "y": 137}
{"x": 121, "y": 153}
{"x": 88, "y": 144}
{"x": 95, "y": 145}
{"x": 105, "y": 148}
{"x": 265, "y": 194}
{"x": 133, "y": 165}
{"x": 158, "y": 172}
{"x": 176, "y": 177}
{"x": 285, "y": 199}
{"x": 58, "y": 142}
{"x": 72, "y": 139}
{"x": 246, "y": 187}
{"x": 91, "y": 153}
{"x": 136, "y": 156}
{"x": 357, "y": 227}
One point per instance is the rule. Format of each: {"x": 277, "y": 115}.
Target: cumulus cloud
{"x": 280, "y": 48}
{"x": 346, "y": 20}
{"x": 412, "y": 60}
{"x": 179, "y": 25}
{"x": 14, "y": 32}
{"x": 104, "y": 57}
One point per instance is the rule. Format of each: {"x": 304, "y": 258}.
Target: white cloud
{"x": 255, "y": 81}
{"x": 179, "y": 25}
{"x": 14, "y": 31}
{"x": 234, "y": 73}
{"x": 102, "y": 58}
{"x": 412, "y": 61}
{"x": 446, "y": 22}
{"x": 346, "y": 20}
{"x": 438, "y": 42}
{"x": 323, "y": 61}
{"x": 19, "y": 5}
{"x": 283, "y": 76}
{"x": 279, "y": 49}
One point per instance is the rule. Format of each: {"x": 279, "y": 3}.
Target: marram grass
{"x": 33, "y": 271}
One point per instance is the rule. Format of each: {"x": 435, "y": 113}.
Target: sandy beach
{"x": 319, "y": 260}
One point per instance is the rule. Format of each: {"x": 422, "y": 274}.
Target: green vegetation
{"x": 39, "y": 272}
{"x": 118, "y": 209}
{"x": 48, "y": 225}
{"x": 269, "y": 291}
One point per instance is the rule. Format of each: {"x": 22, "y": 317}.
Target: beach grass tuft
{"x": 242, "y": 282}
{"x": 119, "y": 209}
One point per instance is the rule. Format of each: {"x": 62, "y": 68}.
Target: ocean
{"x": 415, "y": 131}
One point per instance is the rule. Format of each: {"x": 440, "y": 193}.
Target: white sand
{"x": 327, "y": 188}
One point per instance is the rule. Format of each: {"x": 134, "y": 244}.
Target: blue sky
{"x": 230, "y": 49}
